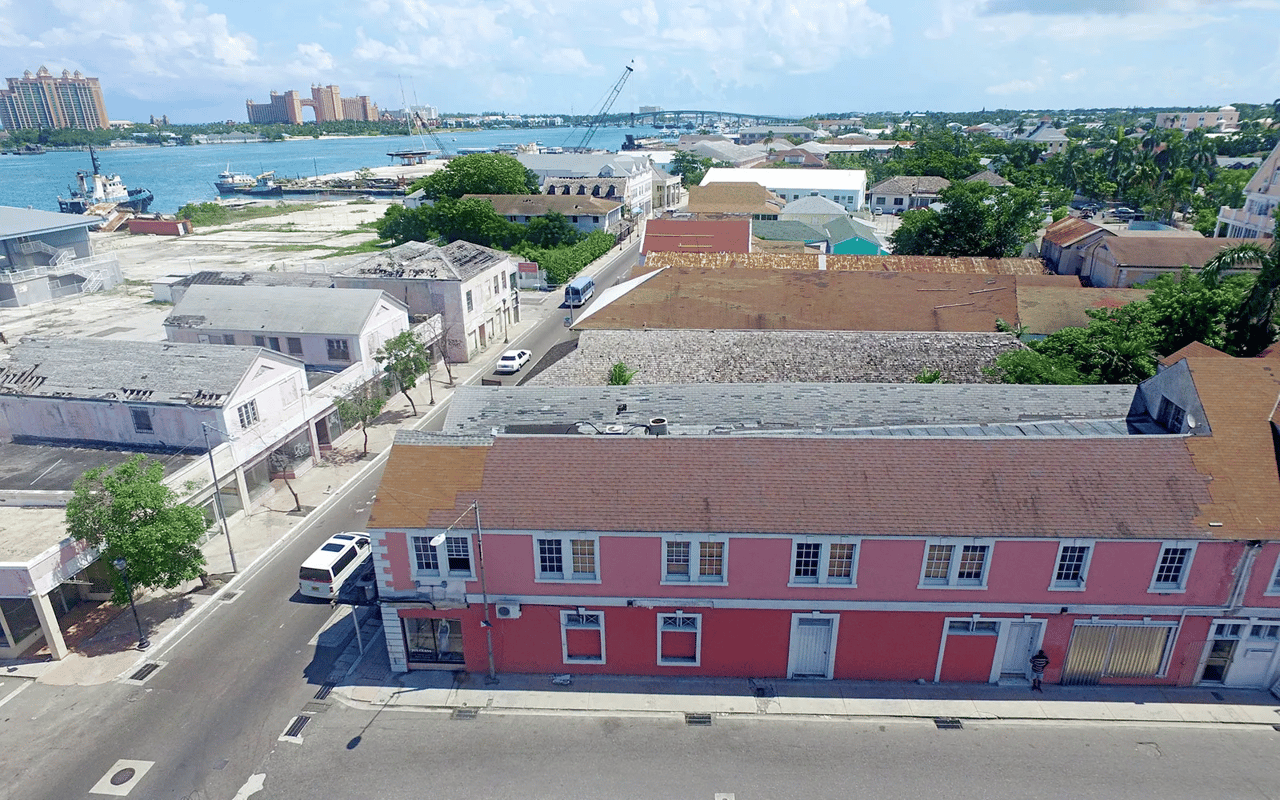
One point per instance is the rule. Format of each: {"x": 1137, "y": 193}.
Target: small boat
{"x": 263, "y": 186}
{"x": 97, "y": 189}
{"x": 229, "y": 182}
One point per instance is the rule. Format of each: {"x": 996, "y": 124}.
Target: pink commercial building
{"x": 850, "y": 531}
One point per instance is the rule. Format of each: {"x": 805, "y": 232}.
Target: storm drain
{"x": 144, "y": 672}
{"x": 948, "y": 724}
{"x": 324, "y": 690}
{"x": 464, "y": 713}
{"x": 697, "y": 719}
{"x": 227, "y": 597}
{"x": 294, "y": 731}
{"x": 314, "y": 707}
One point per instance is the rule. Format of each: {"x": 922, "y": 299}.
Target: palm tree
{"x": 1201, "y": 157}
{"x": 1251, "y": 328}
{"x": 1119, "y": 156}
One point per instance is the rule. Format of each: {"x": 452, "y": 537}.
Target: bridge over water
{"x": 701, "y": 118}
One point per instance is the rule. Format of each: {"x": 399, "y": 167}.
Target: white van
{"x": 325, "y": 570}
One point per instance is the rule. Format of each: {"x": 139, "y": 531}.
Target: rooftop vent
{"x": 658, "y": 426}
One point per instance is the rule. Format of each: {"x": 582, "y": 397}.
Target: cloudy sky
{"x": 199, "y": 62}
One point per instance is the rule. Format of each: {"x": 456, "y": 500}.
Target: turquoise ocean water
{"x": 179, "y": 175}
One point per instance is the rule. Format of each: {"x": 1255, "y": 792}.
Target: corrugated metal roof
{"x": 281, "y": 309}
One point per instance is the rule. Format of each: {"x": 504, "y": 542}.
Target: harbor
{"x": 307, "y": 167}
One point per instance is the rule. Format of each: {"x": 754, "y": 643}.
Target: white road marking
{"x": 14, "y": 693}
{"x": 105, "y": 786}
{"x": 724, "y": 796}
{"x": 251, "y": 786}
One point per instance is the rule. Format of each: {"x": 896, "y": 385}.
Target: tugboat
{"x": 263, "y": 186}
{"x": 96, "y": 188}
{"x": 231, "y": 182}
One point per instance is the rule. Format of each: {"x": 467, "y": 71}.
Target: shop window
{"x": 679, "y": 639}
{"x": 433, "y": 641}
{"x": 582, "y": 636}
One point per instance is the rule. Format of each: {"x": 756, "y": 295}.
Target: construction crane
{"x": 604, "y": 110}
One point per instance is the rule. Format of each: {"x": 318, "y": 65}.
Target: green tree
{"x": 1251, "y": 326}
{"x": 479, "y": 173}
{"x": 978, "y": 220}
{"x": 1032, "y": 368}
{"x": 620, "y": 374}
{"x": 360, "y": 408}
{"x": 404, "y": 357}
{"x": 128, "y": 512}
{"x": 552, "y": 230}
{"x": 689, "y": 167}
{"x": 1187, "y": 308}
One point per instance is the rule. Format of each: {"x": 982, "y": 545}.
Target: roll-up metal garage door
{"x": 1115, "y": 651}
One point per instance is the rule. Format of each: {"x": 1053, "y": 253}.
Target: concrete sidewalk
{"x": 368, "y": 682}
{"x": 111, "y": 652}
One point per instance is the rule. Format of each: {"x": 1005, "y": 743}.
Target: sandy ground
{"x": 127, "y": 312}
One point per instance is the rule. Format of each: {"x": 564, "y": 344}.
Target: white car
{"x": 512, "y": 361}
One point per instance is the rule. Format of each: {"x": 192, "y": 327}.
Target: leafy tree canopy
{"x": 128, "y": 512}
{"x": 479, "y": 173}
{"x": 978, "y": 220}
{"x": 404, "y": 357}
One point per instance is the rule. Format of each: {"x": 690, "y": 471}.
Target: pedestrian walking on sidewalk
{"x": 1038, "y": 662}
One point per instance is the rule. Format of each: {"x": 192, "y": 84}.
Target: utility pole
{"x": 217, "y": 490}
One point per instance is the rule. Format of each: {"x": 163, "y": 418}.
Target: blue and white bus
{"x": 579, "y": 291}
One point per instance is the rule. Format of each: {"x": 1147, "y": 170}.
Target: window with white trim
{"x": 582, "y": 636}
{"x": 1072, "y": 565}
{"x": 696, "y": 559}
{"x": 1274, "y": 586}
{"x": 978, "y": 627}
{"x": 565, "y": 559}
{"x": 248, "y": 414}
{"x": 824, "y": 560}
{"x": 454, "y": 553}
{"x": 1172, "y": 567}
{"x": 679, "y": 639}
{"x": 338, "y": 349}
{"x": 950, "y": 563}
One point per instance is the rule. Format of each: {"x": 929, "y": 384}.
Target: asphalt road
{"x": 210, "y": 717}
{"x": 405, "y": 755}
{"x": 552, "y": 331}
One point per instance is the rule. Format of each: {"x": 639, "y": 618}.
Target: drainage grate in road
{"x": 227, "y": 597}
{"x": 295, "y": 728}
{"x": 464, "y": 713}
{"x": 324, "y": 690}
{"x": 144, "y": 672}
{"x": 697, "y": 719}
{"x": 314, "y": 707}
{"x": 948, "y": 724}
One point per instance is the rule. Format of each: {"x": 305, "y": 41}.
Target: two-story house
{"x": 584, "y": 212}
{"x": 472, "y": 288}
{"x": 904, "y": 192}
{"x": 845, "y": 187}
{"x": 932, "y": 532}
{"x": 329, "y": 330}
{"x": 1256, "y": 220}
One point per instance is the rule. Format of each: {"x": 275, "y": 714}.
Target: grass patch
{"x": 374, "y": 246}
{"x": 212, "y": 214}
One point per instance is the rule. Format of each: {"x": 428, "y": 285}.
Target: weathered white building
{"x": 846, "y": 187}
{"x": 327, "y": 329}
{"x": 44, "y": 256}
{"x": 472, "y": 288}
{"x": 1261, "y": 196}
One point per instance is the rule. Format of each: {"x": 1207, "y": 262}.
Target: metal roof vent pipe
{"x": 658, "y": 426}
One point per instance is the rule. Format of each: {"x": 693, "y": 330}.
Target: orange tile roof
{"x": 881, "y": 486}
{"x": 758, "y": 299}
{"x": 1070, "y": 230}
{"x": 1239, "y": 399}
{"x": 850, "y": 263}
{"x": 1198, "y": 349}
{"x": 410, "y": 492}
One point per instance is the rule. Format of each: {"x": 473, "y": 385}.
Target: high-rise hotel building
{"x": 43, "y": 101}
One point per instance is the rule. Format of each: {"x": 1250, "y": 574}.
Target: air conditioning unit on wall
{"x": 507, "y": 610}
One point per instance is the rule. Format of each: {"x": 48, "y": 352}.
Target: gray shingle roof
{"x": 456, "y": 261}
{"x": 786, "y": 231}
{"x": 814, "y": 204}
{"x": 854, "y": 408}
{"x": 290, "y": 309}
{"x": 911, "y": 184}
{"x": 144, "y": 372}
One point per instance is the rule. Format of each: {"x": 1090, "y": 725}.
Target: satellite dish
{"x": 1191, "y": 421}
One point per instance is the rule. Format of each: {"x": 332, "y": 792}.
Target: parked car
{"x": 876, "y": 212}
{"x": 1122, "y": 213}
{"x": 512, "y": 361}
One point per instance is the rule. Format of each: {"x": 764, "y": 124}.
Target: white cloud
{"x": 1017, "y": 86}
{"x": 313, "y": 59}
